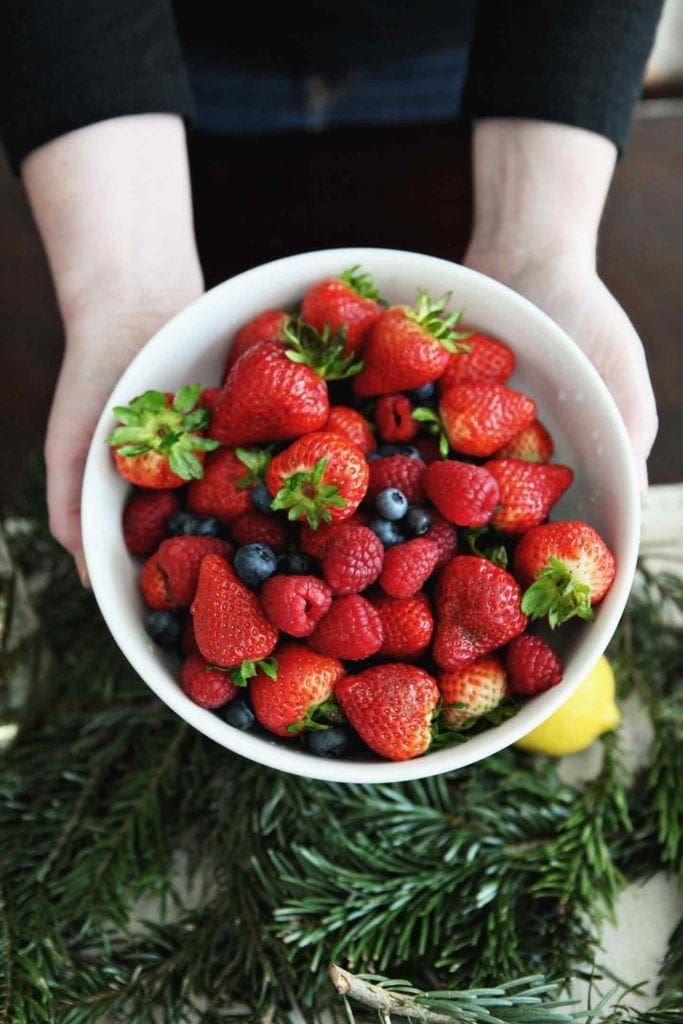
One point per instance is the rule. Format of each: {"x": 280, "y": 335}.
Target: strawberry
{"x": 567, "y": 568}
{"x": 464, "y": 494}
{"x": 225, "y": 490}
{"x": 472, "y": 691}
{"x": 206, "y": 685}
{"x": 145, "y": 520}
{"x": 209, "y": 398}
{"x": 295, "y": 604}
{"x": 533, "y": 444}
{"x": 445, "y": 536}
{"x": 532, "y": 665}
{"x": 154, "y": 586}
{"x": 160, "y": 444}
{"x": 352, "y": 629}
{"x": 528, "y": 490}
{"x": 353, "y": 560}
{"x": 316, "y": 542}
{"x": 394, "y": 418}
{"x": 485, "y": 359}
{"x": 408, "y": 346}
{"x": 304, "y": 681}
{"x": 352, "y": 425}
{"x": 407, "y": 623}
{"x": 350, "y": 302}
{"x": 178, "y": 560}
{"x": 320, "y": 478}
{"x": 254, "y": 527}
{"x": 477, "y": 610}
{"x": 277, "y": 391}
{"x": 230, "y": 625}
{"x": 400, "y": 471}
{"x": 391, "y": 707}
{"x": 479, "y": 418}
{"x": 408, "y": 566}
{"x": 267, "y": 326}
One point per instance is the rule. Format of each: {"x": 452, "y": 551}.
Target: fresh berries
{"x": 391, "y": 707}
{"x": 352, "y": 629}
{"x": 146, "y": 520}
{"x": 352, "y": 425}
{"x": 391, "y": 504}
{"x": 349, "y": 302}
{"x": 527, "y": 492}
{"x": 331, "y": 742}
{"x": 184, "y": 523}
{"x": 475, "y": 690}
{"x": 407, "y": 567}
{"x": 417, "y": 521}
{"x": 178, "y": 560}
{"x": 407, "y": 623}
{"x": 464, "y": 494}
{"x": 532, "y": 665}
{"x": 206, "y": 685}
{"x": 254, "y": 563}
{"x": 445, "y": 536}
{"x": 287, "y": 703}
{"x": 238, "y": 714}
{"x": 532, "y": 443}
{"x": 223, "y": 493}
{"x": 295, "y": 604}
{"x": 353, "y": 560}
{"x": 267, "y": 326}
{"x": 389, "y": 533}
{"x": 154, "y": 586}
{"x": 401, "y": 472}
{"x": 486, "y": 359}
{"x": 479, "y": 418}
{"x": 256, "y": 528}
{"x": 164, "y": 628}
{"x": 394, "y": 418}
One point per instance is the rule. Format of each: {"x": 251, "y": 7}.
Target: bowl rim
{"x": 274, "y": 754}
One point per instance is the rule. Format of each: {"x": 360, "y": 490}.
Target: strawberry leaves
{"x": 427, "y": 313}
{"x": 304, "y": 495}
{"x": 557, "y": 594}
{"x": 322, "y": 350}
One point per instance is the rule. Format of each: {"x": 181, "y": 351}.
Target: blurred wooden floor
{"x": 406, "y": 188}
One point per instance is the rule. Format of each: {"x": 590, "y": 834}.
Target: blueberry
{"x": 183, "y": 523}
{"x": 332, "y": 742}
{"x": 385, "y": 449}
{"x": 387, "y": 532}
{"x": 297, "y": 563}
{"x": 417, "y": 521}
{"x": 408, "y": 449}
{"x": 254, "y": 563}
{"x": 423, "y": 394}
{"x": 163, "y": 628}
{"x": 238, "y": 714}
{"x": 261, "y": 497}
{"x": 391, "y": 504}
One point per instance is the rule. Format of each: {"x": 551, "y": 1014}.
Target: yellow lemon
{"x": 588, "y": 713}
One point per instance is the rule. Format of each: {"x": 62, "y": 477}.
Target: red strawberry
{"x": 400, "y": 471}
{"x": 353, "y": 560}
{"x": 267, "y": 326}
{"x": 485, "y": 359}
{"x": 178, "y": 560}
{"x": 480, "y": 686}
{"x": 567, "y": 568}
{"x": 145, "y": 520}
{"x": 286, "y": 704}
{"x": 160, "y": 444}
{"x": 477, "y": 610}
{"x": 295, "y": 604}
{"x": 352, "y": 425}
{"x": 479, "y": 418}
{"x": 407, "y": 623}
{"x": 408, "y": 566}
{"x": 209, "y": 398}
{"x": 352, "y": 629}
{"x": 258, "y": 528}
{"x": 349, "y": 301}
{"x": 154, "y": 586}
{"x": 394, "y": 418}
{"x": 230, "y": 625}
{"x": 528, "y": 490}
{"x": 532, "y": 665}
{"x": 391, "y": 708}
{"x": 408, "y": 346}
{"x": 320, "y": 478}
{"x": 206, "y": 685}
{"x": 533, "y": 444}
{"x": 445, "y": 536}
{"x": 465, "y": 494}
{"x": 225, "y": 490}
{"x": 316, "y": 542}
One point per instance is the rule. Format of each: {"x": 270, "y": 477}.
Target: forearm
{"x": 113, "y": 206}
{"x": 538, "y": 188}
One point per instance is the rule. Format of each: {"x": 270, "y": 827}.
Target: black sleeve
{"x": 73, "y": 62}
{"x": 579, "y": 62}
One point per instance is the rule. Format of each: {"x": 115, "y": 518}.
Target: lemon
{"x": 588, "y": 713}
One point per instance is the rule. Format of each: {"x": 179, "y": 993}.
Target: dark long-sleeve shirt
{"x": 70, "y": 64}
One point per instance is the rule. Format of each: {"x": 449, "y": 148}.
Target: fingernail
{"x": 82, "y": 571}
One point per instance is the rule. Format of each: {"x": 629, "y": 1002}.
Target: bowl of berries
{"x": 361, "y": 515}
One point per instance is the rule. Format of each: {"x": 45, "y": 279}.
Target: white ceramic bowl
{"x": 572, "y": 400}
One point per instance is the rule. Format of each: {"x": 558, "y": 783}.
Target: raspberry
{"x": 179, "y": 559}
{"x": 407, "y": 622}
{"x": 465, "y": 494}
{"x": 257, "y": 528}
{"x": 352, "y": 425}
{"x": 218, "y": 494}
{"x": 315, "y": 542}
{"x": 399, "y": 471}
{"x": 532, "y": 665}
{"x": 295, "y": 604}
{"x": 206, "y": 685}
{"x": 408, "y": 566}
{"x": 145, "y": 520}
{"x": 352, "y": 629}
{"x": 394, "y": 418}
{"x": 155, "y": 586}
{"x": 445, "y": 536}
{"x": 353, "y": 560}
